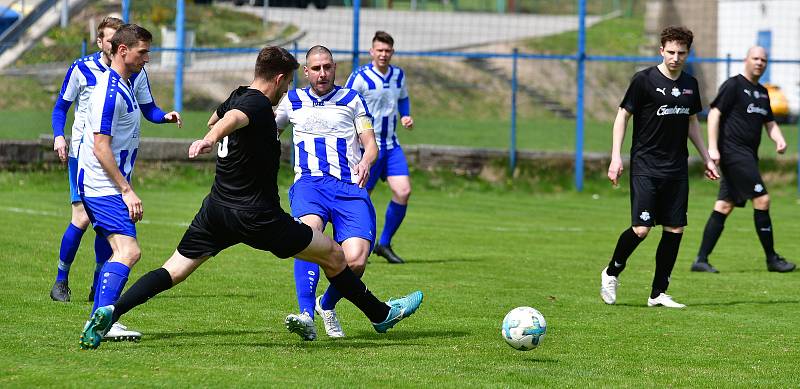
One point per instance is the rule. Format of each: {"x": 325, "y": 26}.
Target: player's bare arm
{"x": 713, "y": 134}
{"x": 104, "y": 155}
{"x": 367, "y": 138}
{"x": 212, "y": 120}
{"x": 232, "y": 121}
{"x": 618, "y": 136}
{"x": 60, "y": 147}
{"x": 697, "y": 140}
{"x": 774, "y": 133}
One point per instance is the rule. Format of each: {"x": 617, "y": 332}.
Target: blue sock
{"x": 102, "y": 253}
{"x": 330, "y": 298}
{"x": 69, "y": 247}
{"x": 395, "y": 213}
{"x": 112, "y": 280}
{"x": 306, "y": 277}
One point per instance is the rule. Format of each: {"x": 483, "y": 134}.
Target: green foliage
{"x": 617, "y": 36}
{"x": 476, "y": 252}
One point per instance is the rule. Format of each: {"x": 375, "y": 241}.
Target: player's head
{"x": 382, "y": 49}
{"x": 676, "y": 41}
{"x": 320, "y": 69}
{"x": 105, "y": 30}
{"x": 276, "y": 65}
{"x": 756, "y": 62}
{"x": 131, "y": 45}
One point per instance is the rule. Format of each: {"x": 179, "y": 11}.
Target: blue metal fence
{"x": 580, "y": 58}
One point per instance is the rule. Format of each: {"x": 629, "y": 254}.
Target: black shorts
{"x": 741, "y": 181}
{"x": 217, "y": 227}
{"x": 657, "y": 200}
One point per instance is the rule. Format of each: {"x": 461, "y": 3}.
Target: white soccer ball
{"x": 524, "y": 328}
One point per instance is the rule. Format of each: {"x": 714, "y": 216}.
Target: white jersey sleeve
{"x": 282, "y": 113}
{"x": 72, "y": 85}
{"x": 141, "y": 86}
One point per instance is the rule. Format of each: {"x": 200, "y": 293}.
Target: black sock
{"x": 146, "y": 287}
{"x": 764, "y": 231}
{"x": 353, "y": 289}
{"x": 714, "y": 227}
{"x": 627, "y": 242}
{"x": 666, "y": 254}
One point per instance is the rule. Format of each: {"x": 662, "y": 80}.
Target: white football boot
{"x": 664, "y": 300}
{"x": 301, "y": 324}
{"x": 331, "y": 321}
{"x": 608, "y": 287}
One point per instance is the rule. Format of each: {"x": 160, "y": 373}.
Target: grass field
{"x": 476, "y": 251}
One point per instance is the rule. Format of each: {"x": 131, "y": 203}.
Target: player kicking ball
{"x": 243, "y": 207}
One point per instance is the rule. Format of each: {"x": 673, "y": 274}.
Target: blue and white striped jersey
{"x": 382, "y": 93}
{"x": 80, "y": 80}
{"x": 113, "y": 110}
{"x": 324, "y": 131}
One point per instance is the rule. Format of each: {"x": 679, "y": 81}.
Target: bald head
{"x": 755, "y": 63}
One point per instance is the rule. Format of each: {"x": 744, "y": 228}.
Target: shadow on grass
{"x": 360, "y": 340}
{"x": 198, "y": 295}
{"x": 418, "y": 261}
{"x": 689, "y": 305}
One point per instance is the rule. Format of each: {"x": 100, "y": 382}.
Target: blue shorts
{"x": 74, "y": 196}
{"x": 109, "y": 215}
{"x": 346, "y": 206}
{"x": 391, "y": 162}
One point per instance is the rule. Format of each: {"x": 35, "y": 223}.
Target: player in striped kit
{"x": 330, "y": 126}
{"x": 384, "y": 88}
{"x": 78, "y": 85}
{"x": 106, "y": 158}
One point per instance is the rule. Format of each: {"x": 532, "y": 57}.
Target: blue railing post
{"x": 126, "y": 11}
{"x": 579, "y": 103}
{"x": 83, "y": 48}
{"x": 356, "y": 22}
{"x": 295, "y": 52}
{"x": 179, "y": 54}
{"x": 512, "y": 147}
{"x": 727, "y": 65}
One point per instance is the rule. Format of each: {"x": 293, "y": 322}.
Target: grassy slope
{"x": 477, "y": 252}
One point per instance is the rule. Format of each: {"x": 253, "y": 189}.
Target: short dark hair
{"x": 129, "y": 35}
{"x": 678, "y": 34}
{"x": 316, "y": 50}
{"x": 383, "y": 36}
{"x": 109, "y": 22}
{"x": 273, "y": 60}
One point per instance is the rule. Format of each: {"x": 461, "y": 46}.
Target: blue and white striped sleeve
{"x": 68, "y": 93}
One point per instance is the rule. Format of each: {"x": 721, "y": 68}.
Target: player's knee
{"x": 80, "y": 219}
{"x": 129, "y": 255}
{"x": 674, "y": 230}
{"x": 761, "y": 202}
{"x": 641, "y": 231}
{"x": 358, "y": 261}
{"x": 724, "y": 207}
{"x": 403, "y": 193}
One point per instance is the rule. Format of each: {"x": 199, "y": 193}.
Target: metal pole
{"x": 295, "y": 52}
{"x": 512, "y": 147}
{"x": 728, "y": 65}
{"x": 179, "y": 57}
{"x": 579, "y": 103}
{"x": 265, "y": 13}
{"x": 126, "y": 11}
{"x": 83, "y": 48}
{"x": 356, "y": 22}
{"x": 64, "y": 13}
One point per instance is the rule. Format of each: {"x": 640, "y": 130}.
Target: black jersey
{"x": 745, "y": 108}
{"x": 661, "y": 108}
{"x": 248, "y": 159}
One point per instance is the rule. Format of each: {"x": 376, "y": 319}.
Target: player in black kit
{"x": 737, "y": 116}
{"x": 244, "y": 207}
{"x": 663, "y": 101}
